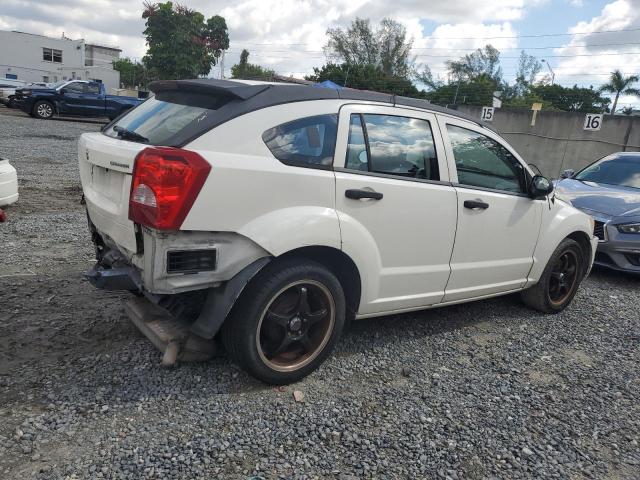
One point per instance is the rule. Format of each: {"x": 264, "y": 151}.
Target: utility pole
{"x": 553, "y": 75}
{"x": 455, "y": 99}
{"x": 222, "y": 66}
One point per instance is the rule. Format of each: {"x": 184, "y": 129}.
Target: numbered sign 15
{"x": 593, "y": 121}
{"x": 487, "y": 114}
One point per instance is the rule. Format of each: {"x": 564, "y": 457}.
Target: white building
{"x": 36, "y": 58}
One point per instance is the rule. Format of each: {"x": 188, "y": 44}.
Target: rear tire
{"x": 286, "y": 322}
{"x": 559, "y": 281}
{"x": 43, "y": 110}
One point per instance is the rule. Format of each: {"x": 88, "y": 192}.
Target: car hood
{"x": 609, "y": 200}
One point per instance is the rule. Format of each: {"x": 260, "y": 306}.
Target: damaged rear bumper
{"x": 120, "y": 278}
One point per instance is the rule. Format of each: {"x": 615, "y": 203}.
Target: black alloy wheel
{"x": 296, "y": 325}
{"x": 287, "y": 321}
{"x": 563, "y": 277}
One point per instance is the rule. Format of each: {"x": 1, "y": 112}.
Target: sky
{"x": 582, "y": 40}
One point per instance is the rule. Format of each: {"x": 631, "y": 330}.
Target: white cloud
{"x": 268, "y": 28}
{"x": 595, "y": 55}
{"x": 456, "y": 40}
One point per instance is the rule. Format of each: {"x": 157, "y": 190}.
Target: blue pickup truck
{"x": 72, "y": 97}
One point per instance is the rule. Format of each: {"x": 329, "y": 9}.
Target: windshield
{"x": 620, "y": 170}
{"x": 159, "y": 121}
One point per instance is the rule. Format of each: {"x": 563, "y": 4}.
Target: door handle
{"x": 356, "y": 194}
{"x": 475, "y": 205}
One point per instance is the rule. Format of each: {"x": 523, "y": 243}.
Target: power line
{"x": 543, "y": 35}
{"x": 267, "y": 54}
{"x": 448, "y": 49}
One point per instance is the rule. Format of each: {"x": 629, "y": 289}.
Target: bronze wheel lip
{"x": 306, "y": 359}
{"x": 562, "y": 274}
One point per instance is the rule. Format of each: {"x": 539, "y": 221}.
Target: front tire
{"x": 286, "y": 322}
{"x": 560, "y": 279}
{"x": 43, "y": 110}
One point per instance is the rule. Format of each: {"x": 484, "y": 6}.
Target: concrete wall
{"x": 558, "y": 142}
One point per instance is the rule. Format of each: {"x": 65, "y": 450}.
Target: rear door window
{"x": 309, "y": 141}
{"x": 392, "y": 145}
{"x": 75, "y": 87}
{"x": 93, "y": 89}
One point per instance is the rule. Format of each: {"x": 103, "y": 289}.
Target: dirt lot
{"x": 486, "y": 390}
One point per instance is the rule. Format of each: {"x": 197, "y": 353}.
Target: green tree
{"x": 573, "y": 99}
{"x": 385, "y": 47}
{"x": 132, "y": 74}
{"x": 528, "y": 67}
{"x": 364, "y": 77}
{"x": 180, "y": 43}
{"x": 248, "y": 71}
{"x": 483, "y": 62}
{"x": 476, "y": 91}
{"x": 619, "y": 84}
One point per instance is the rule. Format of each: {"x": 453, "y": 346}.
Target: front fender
{"x": 559, "y": 221}
{"x": 286, "y": 229}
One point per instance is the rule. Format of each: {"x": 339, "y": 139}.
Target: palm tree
{"x": 618, "y": 84}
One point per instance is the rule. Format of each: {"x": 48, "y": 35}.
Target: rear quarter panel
{"x": 280, "y": 207}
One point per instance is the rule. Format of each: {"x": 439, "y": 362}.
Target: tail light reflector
{"x": 166, "y": 182}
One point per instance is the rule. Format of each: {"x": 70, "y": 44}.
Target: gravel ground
{"x": 484, "y": 390}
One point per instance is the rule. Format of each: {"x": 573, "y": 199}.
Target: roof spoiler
{"x": 225, "y": 88}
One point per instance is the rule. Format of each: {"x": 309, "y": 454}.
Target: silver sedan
{"x": 609, "y": 191}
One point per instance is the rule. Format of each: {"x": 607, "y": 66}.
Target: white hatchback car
{"x": 273, "y": 214}
{"x": 8, "y": 183}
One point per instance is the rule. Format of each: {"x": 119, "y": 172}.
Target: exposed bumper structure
{"x": 119, "y": 278}
{"x": 169, "y": 335}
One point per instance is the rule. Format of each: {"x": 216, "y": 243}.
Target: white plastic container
{"x": 8, "y": 183}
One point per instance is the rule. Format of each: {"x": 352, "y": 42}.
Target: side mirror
{"x": 540, "y": 186}
{"x": 568, "y": 173}
{"x": 62, "y": 91}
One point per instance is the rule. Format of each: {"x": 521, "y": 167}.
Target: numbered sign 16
{"x": 593, "y": 121}
{"x": 487, "y": 114}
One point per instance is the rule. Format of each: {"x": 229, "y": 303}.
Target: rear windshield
{"x": 163, "y": 119}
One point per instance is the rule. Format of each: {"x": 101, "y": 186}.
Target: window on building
{"x": 306, "y": 141}
{"x": 52, "y": 55}
{"x": 483, "y": 162}
{"x": 45, "y": 78}
{"x": 399, "y": 146}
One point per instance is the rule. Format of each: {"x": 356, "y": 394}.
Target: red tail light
{"x": 166, "y": 182}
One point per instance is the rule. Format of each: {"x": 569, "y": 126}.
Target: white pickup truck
{"x": 269, "y": 215}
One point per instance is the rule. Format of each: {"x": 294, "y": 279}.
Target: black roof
{"x": 240, "y": 98}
